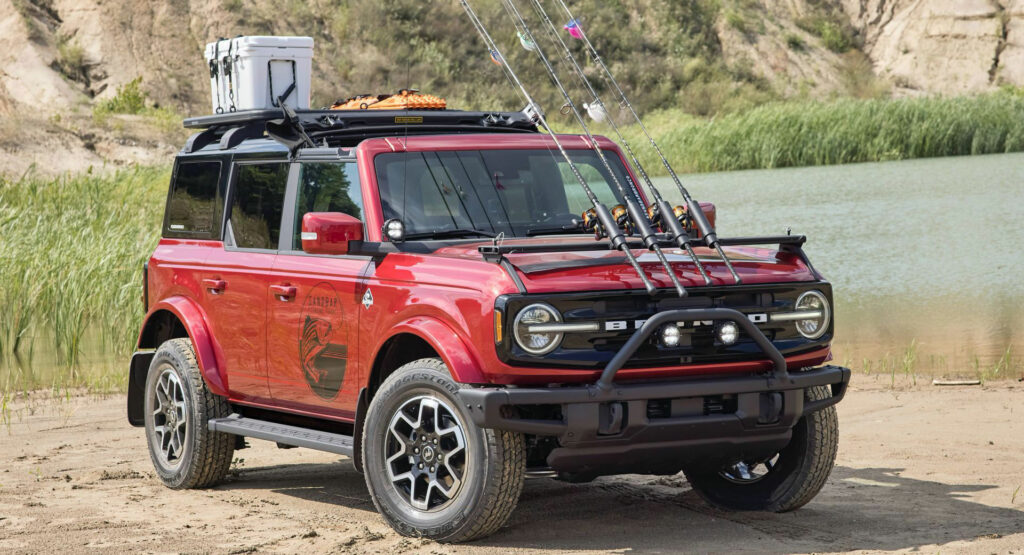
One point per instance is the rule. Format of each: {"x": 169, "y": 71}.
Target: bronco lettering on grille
{"x": 621, "y": 325}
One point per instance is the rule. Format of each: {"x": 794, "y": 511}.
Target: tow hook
{"x": 612, "y": 418}
{"x": 770, "y": 408}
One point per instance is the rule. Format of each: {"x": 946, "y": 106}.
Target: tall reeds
{"x": 71, "y": 255}
{"x": 815, "y": 133}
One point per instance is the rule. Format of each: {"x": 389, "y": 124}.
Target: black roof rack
{"x": 323, "y": 120}
{"x": 348, "y": 127}
{"x": 341, "y": 121}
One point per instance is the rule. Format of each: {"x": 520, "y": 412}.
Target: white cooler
{"x": 250, "y": 73}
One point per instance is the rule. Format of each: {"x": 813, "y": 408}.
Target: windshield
{"x": 515, "y": 192}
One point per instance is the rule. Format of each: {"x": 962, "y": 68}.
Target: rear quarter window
{"x": 193, "y": 203}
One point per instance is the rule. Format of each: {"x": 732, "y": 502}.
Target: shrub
{"x": 795, "y": 42}
{"x": 129, "y": 99}
{"x": 71, "y": 60}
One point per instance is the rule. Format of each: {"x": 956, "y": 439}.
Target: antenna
{"x": 615, "y": 235}
{"x": 636, "y": 214}
{"x": 705, "y": 227}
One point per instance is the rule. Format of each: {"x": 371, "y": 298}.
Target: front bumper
{"x": 609, "y": 427}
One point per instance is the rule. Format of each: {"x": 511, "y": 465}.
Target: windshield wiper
{"x": 449, "y": 233}
{"x": 565, "y": 229}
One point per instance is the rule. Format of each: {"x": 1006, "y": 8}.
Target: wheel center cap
{"x": 428, "y": 454}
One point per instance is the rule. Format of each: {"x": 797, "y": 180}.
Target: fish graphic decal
{"x": 322, "y": 351}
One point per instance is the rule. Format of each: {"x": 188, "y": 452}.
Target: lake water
{"x": 928, "y": 253}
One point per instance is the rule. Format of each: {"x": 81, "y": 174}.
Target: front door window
{"x": 326, "y": 187}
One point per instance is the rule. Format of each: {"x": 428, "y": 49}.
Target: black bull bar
{"x": 586, "y": 409}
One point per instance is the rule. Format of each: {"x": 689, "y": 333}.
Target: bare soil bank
{"x": 924, "y": 469}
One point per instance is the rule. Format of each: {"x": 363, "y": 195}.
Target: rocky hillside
{"x": 944, "y": 46}
{"x": 64, "y": 60}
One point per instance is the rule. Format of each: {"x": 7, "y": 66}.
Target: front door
{"x": 315, "y": 301}
{"x": 236, "y": 279}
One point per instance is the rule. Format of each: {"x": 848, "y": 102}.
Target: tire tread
{"x": 796, "y": 490}
{"x": 212, "y": 452}
{"x": 500, "y": 495}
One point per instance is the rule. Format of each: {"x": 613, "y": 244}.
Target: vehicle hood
{"x": 556, "y": 271}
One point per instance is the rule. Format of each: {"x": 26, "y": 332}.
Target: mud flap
{"x": 137, "y": 373}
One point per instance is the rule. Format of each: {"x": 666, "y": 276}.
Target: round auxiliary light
{"x": 394, "y": 230}
{"x": 728, "y": 333}
{"x": 670, "y": 335}
{"x": 529, "y": 332}
{"x": 813, "y": 302}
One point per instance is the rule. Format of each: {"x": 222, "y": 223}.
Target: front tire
{"x": 179, "y": 406}
{"x": 430, "y": 470}
{"x": 784, "y": 482}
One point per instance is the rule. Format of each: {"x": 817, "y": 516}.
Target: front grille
{"x": 619, "y": 315}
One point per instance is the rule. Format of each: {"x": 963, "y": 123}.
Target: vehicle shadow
{"x": 860, "y": 508}
{"x": 334, "y": 484}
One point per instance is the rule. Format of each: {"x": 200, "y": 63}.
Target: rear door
{"x": 313, "y": 327}
{"x": 236, "y": 281}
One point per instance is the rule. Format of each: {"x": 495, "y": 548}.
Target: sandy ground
{"x": 921, "y": 469}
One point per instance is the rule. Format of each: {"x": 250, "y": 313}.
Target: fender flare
{"x": 455, "y": 352}
{"x": 208, "y": 353}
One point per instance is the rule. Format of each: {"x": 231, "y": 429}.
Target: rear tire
{"x": 793, "y": 477}
{"x": 178, "y": 409}
{"x": 430, "y": 470}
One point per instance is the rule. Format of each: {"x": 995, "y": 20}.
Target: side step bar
{"x": 282, "y": 433}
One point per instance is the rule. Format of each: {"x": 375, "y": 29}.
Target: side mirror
{"x": 709, "y": 212}
{"x": 329, "y": 232}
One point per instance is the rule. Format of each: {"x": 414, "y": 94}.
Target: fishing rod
{"x": 661, "y": 210}
{"x": 705, "y": 227}
{"x": 615, "y": 235}
{"x": 634, "y": 212}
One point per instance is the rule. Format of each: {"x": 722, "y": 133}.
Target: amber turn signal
{"x": 497, "y": 327}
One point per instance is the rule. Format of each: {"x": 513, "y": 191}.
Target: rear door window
{"x": 327, "y": 187}
{"x": 257, "y": 204}
{"x": 193, "y": 206}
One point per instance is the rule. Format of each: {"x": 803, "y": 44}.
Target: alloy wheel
{"x": 170, "y": 418}
{"x": 425, "y": 453}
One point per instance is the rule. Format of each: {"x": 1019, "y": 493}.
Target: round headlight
{"x": 529, "y": 329}
{"x": 815, "y": 303}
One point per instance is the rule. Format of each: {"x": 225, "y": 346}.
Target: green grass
{"x": 813, "y": 133}
{"x": 71, "y": 255}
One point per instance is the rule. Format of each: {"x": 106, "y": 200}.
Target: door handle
{"x": 284, "y": 293}
{"x": 215, "y": 286}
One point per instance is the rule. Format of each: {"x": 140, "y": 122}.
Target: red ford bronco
{"x": 418, "y": 293}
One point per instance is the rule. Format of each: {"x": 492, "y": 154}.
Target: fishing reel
{"x": 621, "y": 215}
{"x": 590, "y": 222}
{"x": 679, "y": 212}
